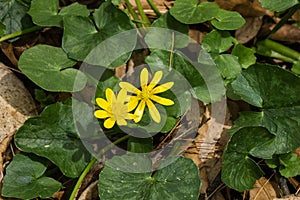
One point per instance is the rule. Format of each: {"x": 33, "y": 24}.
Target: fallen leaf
{"x": 90, "y": 193}
{"x": 286, "y": 33}
{"x": 289, "y": 197}
{"x": 249, "y": 30}
{"x": 263, "y": 190}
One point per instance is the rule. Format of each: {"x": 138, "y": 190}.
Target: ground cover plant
{"x": 120, "y": 95}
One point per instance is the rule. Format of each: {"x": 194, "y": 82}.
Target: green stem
{"x": 286, "y": 51}
{"x": 142, "y": 13}
{"x": 91, "y": 164}
{"x": 81, "y": 178}
{"x": 154, "y": 8}
{"x": 133, "y": 14}
{"x": 283, "y": 20}
{"x": 19, "y": 33}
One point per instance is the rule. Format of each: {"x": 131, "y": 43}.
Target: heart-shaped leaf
{"x": 52, "y": 73}
{"x": 246, "y": 55}
{"x": 217, "y": 41}
{"x": 46, "y": 13}
{"x": 163, "y": 36}
{"x": 193, "y": 12}
{"x": 239, "y": 171}
{"x": 13, "y": 15}
{"x": 268, "y": 87}
{"x": 25, "y": 178}
{"x": 228, "y": 65}
{"x": 106, "y": 41}
{"x": 170, "y": 182}
{"x": 53, "y": 135}
{"x": 228, "y": 20}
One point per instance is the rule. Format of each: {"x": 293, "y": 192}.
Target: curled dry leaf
{"x": 249, "y": 30}
{"x": 286, "y": 33}
{"x": 90, "y": 193}
{"x": 206, "y": 149}
{"x": 263, "y": 190}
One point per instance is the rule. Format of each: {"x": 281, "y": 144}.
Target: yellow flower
{"x": 114, "y": 108}
{"x": 147, "y": 94}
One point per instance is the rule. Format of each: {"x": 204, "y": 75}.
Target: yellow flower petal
{"x": 102, "y": 103}
{"x": 162, "y": 88}
{"x": 139, "y": 111}
{"x": 153, "y": 111}
{"x": 144, "y": 77}
{"x": 121, "y": 122}
{"x": 110, "y": 95}
{"x": 162, "y": 100}
{"x": 109, "y": 123}
{"x": 101, "y": 114}
{"x": 122, "y": 96}
{"x": 157, "y": 77}
{"x": 133, "y": 102}
{"x": 129, "y": 87}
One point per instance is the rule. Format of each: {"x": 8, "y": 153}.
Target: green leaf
{"x": 97, "y": 42}
{"x": 296, "y": 67}
{"x": 278, "y": 5}
{"x": 53, "y": 135}
{"x": 268, "y": 87}
{"x": 43, "y": 98}
{"x": 46, "y": 13}
{"x": 202, "y": 77}
{"x": 239, "y": 171}
{"x": 163, "y": 36}
{"x": 246, "y": 55}
{"x": 290, "y": 165}
{"x": 178, "y": 180}
{"x": 2, "y": 29}
{"x": 228, "y": 20}
{"x": 217, "y": 41}
{"x": 228, "y": 65}
{"x": 51, "y": 69}
{"x": 193, "y": 12}
{"x": 140, "y": 145}
{"x": 13, "y": 15}
{"x": 25, "y": 179}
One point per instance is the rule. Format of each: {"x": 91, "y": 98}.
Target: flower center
{"x": 119, "y": 110}
{"x": 145, "y": 94}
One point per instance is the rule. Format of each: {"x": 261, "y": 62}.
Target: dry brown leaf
{"x": 208, "y": 146}
{"x": 8, "y": 50}
{"x": 289, "y": 197}
{"x": 90, "y": 193}
{"x": 121, "y": 71}
{"x": 263, "y": 190}
{"x": 286, "y": 33}
{"x": 249, "y": 30}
